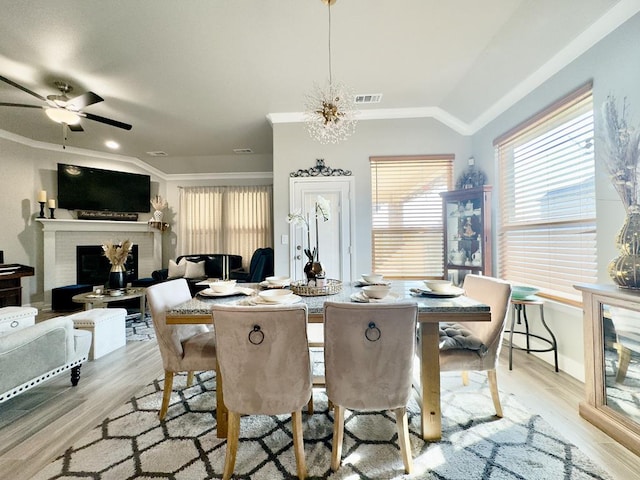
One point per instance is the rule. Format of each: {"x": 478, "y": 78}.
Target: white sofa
{"x": 33, "y": 354}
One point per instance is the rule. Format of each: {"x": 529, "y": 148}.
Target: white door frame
{"x": 345, "y": 186}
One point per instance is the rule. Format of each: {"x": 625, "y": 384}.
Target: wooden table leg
{"x": 222, "y": 414}
{"x": 431, "y": 417}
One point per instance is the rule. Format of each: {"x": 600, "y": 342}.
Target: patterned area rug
{"x": 133, "y": 444}
{"x": 138, "y": 329}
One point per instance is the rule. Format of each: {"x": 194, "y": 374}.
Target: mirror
{"x": 621, "y": 331}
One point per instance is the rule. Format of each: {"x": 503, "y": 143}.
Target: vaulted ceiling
{"x": 199, "y": 78}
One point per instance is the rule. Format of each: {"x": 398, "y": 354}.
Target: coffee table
{"x": 91, "y": 299}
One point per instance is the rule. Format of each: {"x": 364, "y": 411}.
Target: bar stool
{"x": 519, "y": 308}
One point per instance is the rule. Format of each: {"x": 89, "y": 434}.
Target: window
{"x": 235, "y": 220}
{"x": 547, "y": 198}
{"x": 407, "y": 233}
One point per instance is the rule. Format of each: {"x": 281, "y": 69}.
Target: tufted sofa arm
{"x": 36, "y": 353}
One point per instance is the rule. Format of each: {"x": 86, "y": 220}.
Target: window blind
{"x": 406, "y": 220}
{"x": 547, "y": 236}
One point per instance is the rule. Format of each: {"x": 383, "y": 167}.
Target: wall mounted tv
{"x": 88, "y": 188}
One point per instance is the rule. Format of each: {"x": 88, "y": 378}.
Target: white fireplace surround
{"x": 62, "y": 236}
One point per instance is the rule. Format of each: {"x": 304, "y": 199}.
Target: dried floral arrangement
{"x": 158, "y": 203}
{"x": 117, "y": 253}
{"x": 622, "y": 152}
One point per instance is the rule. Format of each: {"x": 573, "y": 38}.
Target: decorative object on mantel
{"x": 42, "y": 200}
{"x": 472, "y": 177}
{"x": 52, "y": 208}
{"x": 321, "y": 170}
{"x": 313, "y": 268}
{"x": 158, "y": 204}
{"x": 117, "y": 255}
{"x": 622, "y": 152}
{"x": 330, "y": 111}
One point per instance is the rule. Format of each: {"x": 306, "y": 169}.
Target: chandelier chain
{"x": 330, "y": 73}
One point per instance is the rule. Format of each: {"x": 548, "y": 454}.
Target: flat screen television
{"x": 88, "y": 188}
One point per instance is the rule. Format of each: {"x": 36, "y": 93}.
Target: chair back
{"x": 161, "y": 297}
{"x": 261, "y": 265}
{"x": 497, "y": 294}
{"x": 263, "y": 357}
{"x": 368, "y": 353}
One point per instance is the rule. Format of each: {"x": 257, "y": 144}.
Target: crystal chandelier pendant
{"x": 330, "y": 113}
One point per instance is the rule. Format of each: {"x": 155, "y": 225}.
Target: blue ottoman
{"x": 61, "y": 297}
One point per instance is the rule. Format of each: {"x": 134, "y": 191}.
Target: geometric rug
{"x": 138, "y": 329}
{"x": 133, "y": 444}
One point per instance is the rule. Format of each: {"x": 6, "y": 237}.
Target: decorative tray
{"x": 331, "y": 287}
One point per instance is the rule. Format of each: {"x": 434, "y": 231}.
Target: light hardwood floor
{"x": 37, "y": 426}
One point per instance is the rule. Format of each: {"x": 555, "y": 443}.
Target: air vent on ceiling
{"x": 369, "y": 98}
{"x": 158, "y": 154}
{"x": 242, "y": 150}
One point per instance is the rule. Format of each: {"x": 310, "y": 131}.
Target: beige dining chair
{"x": 368, "y": 353}
{"x": 478, "y": 346}
{"x": 263, "y": 359}
{"x": 184, "y": 348}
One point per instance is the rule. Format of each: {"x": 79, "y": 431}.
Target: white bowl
{"x": 376, "y": 291}
{"x": 276, "y": 296}
{"x": 222, "y": 286}
{"x": 440, "y": 286}
{"x": 278, "y": 281}
{"x": 372, "y": 277}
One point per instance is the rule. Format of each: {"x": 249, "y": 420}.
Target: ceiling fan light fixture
{"x": 60, "y": 115}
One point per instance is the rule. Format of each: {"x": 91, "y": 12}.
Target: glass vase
{"x": 117, "y": 276}
{"x": 625, "y": 269}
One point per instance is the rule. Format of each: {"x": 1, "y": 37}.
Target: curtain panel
{"x": 231, "y": 219}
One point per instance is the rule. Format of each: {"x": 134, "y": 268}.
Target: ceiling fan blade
{"x": 108, "y": 121}
{"x": 76, "y": 128}
{"x": 84, "y": 100}
{"x": 3, "y": 104}
{"x": 24, "y": 89}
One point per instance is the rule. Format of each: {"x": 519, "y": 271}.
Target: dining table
{"x": 433, "y": 308}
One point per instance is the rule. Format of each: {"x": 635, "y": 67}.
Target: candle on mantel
{"x": 52, "y": 203}
{"x": 42, "y": 196}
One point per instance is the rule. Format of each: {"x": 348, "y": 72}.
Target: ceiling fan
{"x": 62, "y": 109}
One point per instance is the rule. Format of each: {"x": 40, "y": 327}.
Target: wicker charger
{"x": 300, "y": 287}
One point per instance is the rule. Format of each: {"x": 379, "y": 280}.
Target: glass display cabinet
{"x": 612, "y": 362}
{"x": 467, "y": 232}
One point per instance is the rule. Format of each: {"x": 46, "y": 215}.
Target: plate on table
{"x": 258, "y": 300}
{"x": 207, "y": 292}
{"x": 266, "y": 284}
{"x": 360, "y": 297}
{"x": 450, "y": 293}
{"x": 95, "y": 295}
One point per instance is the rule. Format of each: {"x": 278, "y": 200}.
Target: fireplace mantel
{"x": 60, "y": 234}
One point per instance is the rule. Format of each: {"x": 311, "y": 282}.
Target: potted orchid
{"x": 322, "y": 210}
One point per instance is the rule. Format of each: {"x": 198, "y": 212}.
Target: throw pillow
{"x": 177, "y": 270}
{"x": 194, "y": 270}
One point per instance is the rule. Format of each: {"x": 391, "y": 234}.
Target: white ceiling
{"x": 199, "y": 78}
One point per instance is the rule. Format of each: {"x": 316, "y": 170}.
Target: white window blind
{"x": 547, "y": 198}
{"x": 407, "y": 233}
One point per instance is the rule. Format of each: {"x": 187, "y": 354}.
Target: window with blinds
{"x": 547, "y": 236}
{"x": 406, "y": 223}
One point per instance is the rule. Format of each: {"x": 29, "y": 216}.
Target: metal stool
{"x": 519, "y": 307}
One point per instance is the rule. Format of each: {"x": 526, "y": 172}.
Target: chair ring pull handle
{"x": 256, "y": 336}
{"x": 372, "y": 333}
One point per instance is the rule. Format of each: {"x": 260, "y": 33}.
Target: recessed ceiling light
{"x": 112, "y": 144}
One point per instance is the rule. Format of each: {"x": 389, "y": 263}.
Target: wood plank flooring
{"x": 37, "y": 426}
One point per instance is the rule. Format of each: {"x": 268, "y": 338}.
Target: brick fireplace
{"x": 61, "y": 237}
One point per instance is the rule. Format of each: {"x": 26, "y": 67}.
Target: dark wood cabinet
{"x": 467, "y": 232}
{"x": 10, "y": 286}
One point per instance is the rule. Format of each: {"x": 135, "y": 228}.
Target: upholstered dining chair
{"x": 476, "y": 345}
{"x": 263, "y": 359}
{"x": 184, "y": 348}
{"x": 368, "y": 354}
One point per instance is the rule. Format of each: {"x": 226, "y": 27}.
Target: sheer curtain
{"x": 234, "y": 220}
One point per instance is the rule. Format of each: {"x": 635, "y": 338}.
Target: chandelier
{"x": 330, "y": 113}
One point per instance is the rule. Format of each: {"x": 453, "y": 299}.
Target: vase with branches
{"x": 117, "y": 254}
{"x": 621, "y": 157}
{"x": 321, "y": 211}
